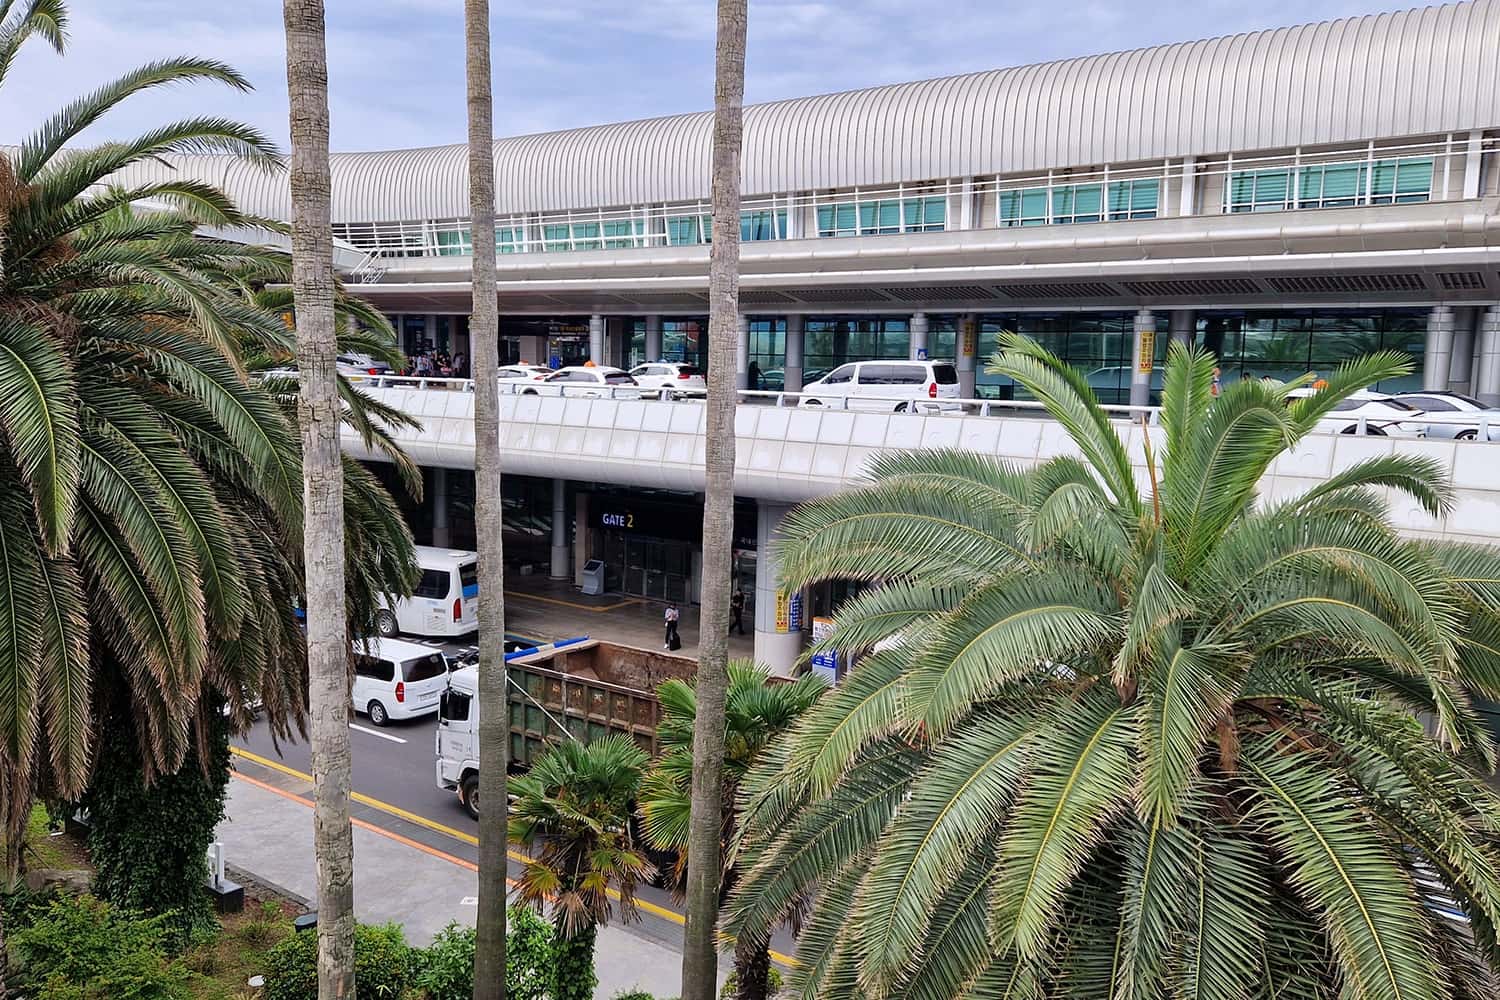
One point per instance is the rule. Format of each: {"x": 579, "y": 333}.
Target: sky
{"x": 396, "y": 75}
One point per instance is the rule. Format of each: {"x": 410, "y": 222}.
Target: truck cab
{"x": 458, "y": 738}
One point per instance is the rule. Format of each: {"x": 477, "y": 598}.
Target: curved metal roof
{"x": 1414, "y": 72}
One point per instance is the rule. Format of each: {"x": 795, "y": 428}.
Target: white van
{"x": 396, "y": 680}
{"x": 446, "y": 601}
{"x": 899, "y": 386}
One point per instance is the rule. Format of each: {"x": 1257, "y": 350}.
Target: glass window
{"x": 945, "y": 374}
{"x": 374, "y": 668}
{"x": 434, "y": 583}
{"x": 685, "y": 230}
{"x": 620, "y": 234}
{"x": 837, "y": 220}
{"x": 884, "y": 216}
{"x": 1023, "y": 207}
{"x": 424, "y": 668}
{"x": 1259, "y": 190}
{"x": 453, "y": 243}
{"x": 1330, "y": 185}
{"x": 510, "y": 239}
{"x": 454, "y": 706}
{"x": 840, "y": 375}
{"x": 1401, "y": 181}
{"x": 1134, "y": 199}
{"x": 1076, "y": 203}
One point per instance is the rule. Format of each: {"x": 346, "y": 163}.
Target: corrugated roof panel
{"x": 1414, "y": 72}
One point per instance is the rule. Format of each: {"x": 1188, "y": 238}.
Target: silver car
{"x": 1455, "y": 416}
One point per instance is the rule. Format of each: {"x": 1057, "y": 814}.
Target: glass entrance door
{"x": 655, "y": 568}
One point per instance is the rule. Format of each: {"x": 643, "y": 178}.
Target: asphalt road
{"x": 396, "y": 767}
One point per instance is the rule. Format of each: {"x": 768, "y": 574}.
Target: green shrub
{"x": 382, "y": 965}
{"x": 773, "y": 984}
{"x": 447, "y": 967}
{"x": 81, "y": 948}
{"x": 633, "y": 995}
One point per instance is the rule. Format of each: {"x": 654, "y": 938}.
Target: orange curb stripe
{"x": 517, "y": 595}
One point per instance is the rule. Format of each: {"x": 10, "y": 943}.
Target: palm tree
{"x": 150, "y": 509}
{"x": 319, "y": 412}
{"x": 756, "y": 710}
{"x": 576, "y": 803}
{"x": 489, "y": 961}
{"x": 1131, "y": 735}
{"x": 699, "y": 939}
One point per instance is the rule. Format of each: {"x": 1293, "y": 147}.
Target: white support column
{"x": 919, "y": 327}
{"x": 742, "y": 353}
{"x": 1184, "y": 326}
{"x": 1461, "y": 364}
{"x": 1142, "y": 356}
{"x": 440, "y": 534}
{"x": 778, "y": 638}
{"x": 1487, "y": 379}
{"x": 1187, "y": 198}
{"x": 596, "y": 339}
{"x": 1437, "y": 359}
{"x": 653, "y": 338}
{"x": 1473, "y": 158}
{"x": 429, "y": 329}
{"x": 562, "y": 559}
{"x": 967, "y": 350}
{"x": 796, "y": 341}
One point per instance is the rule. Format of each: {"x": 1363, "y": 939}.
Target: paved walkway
{"x": 267, "y": 831}
{"x": 540, "y": 608}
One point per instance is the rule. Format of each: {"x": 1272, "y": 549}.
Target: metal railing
{"x": 1485, "y": 426}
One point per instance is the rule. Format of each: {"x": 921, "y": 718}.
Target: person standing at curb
{"x": 672, "y": 639}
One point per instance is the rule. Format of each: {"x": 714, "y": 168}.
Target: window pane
{"x": 889, "y": 216}
{"x": 1341, "y": 183}
{"x": 1086, "y": 202}
{"x": 935, "y": 212}
{"x": 1413, "y": 180}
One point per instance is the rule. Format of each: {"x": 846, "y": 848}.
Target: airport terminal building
{"x": 1287, "y": 198}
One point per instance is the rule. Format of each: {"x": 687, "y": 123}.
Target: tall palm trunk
{"x": 489, "y": 959}
{"x": 323, "y": 494}
{"x": 699, "y": 952}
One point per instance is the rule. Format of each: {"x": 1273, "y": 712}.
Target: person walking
{"x": 737, "y": 610}
{"x": 672, "y": 639}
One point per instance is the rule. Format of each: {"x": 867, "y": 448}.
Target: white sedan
{"x": 670, "y": 378}
{"x": 523, "y": 373}
{"x": 588, "y": 381}
{"x": 1454, "y": 415}
{"x": 1374, "y": 413}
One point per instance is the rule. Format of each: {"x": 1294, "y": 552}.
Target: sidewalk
{"x": 267, "y": 831}
{"x": 540, "y": 608}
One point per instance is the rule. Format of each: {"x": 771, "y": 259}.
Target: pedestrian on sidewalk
{"x": 737, "y": 609}
{"x": 672, "y": 641}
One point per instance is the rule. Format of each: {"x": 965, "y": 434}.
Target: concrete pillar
{"x": 1487, "y": 378}
{"x": 778, "y": 616}
{"x": 562, "y": 559}
{"x": 796, "y": 345}
{"x": 596, "y": 339}
{"x": 919, "y": 328}
{"x": 742, "y": 353}
{"x": 967, "y": 350}
{"x": 440, "y": 534}
{"x": 653, "y": 338}
{"x": 1461, "y": 363}
{"x": 429, "y": 329}
{"x": 1184, "y": 326}
{"x": 1142, "y": 357}
{"x": 1473, "y": 163}
{"x": 1438, "y": 357}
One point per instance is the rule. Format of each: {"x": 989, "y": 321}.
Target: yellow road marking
{"x": 573, "y": 604}
{"x": 468, "y": 838}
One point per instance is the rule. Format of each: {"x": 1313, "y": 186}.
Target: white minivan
{"x": 396, "y": 680}
{"x": 899, "y": 386}
{"x": 446, "y": 601}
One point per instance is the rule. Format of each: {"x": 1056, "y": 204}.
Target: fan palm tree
{"x": 571, "y": 812}
{"x": 150, "y": 495}
{"x": 756, "y": 710}
{"x": 1135, "y": 734}
{"x": 700, "y": 959}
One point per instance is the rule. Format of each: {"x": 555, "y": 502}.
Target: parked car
{"x": 589, "y": 381}
{"x": 445, "y": 601}
{"x": 394, "y": 679}
{"x": 350, "y": 372}
{"x": 364, "y": 364}
{"x": 524, "y": 373}
{"x": 900, "y": 386}
{"x": 1454, "y": 415}
{"x": 1381, "y": 414}
{"x": 670, "y": 379}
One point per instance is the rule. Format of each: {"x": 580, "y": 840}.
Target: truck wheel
{"x": 468, "y": 794}
{"x": 378, "y": 715}
{"x": 385, "y": 624}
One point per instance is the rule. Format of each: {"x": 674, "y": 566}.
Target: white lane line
{"x": 376, "y": 732}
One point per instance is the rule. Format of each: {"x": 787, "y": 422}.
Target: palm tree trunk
{"x": 489, "y": 960}
{"x": 319, "y": 413}
{"x": 752, "y": 970}
{"x": 699, "y": 952}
